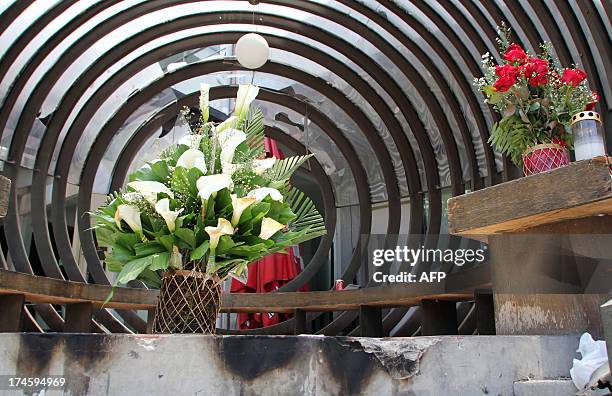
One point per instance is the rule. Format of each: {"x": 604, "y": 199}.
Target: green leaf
{"x": 127, "y": 240}
{"x": 144, "y": 249}
{"x": 225, "y": 244}
{"x": 186, "y": 235}
{"x": 167, "y": 241}
{"x": 132, "y": 269}
{"x": 112, "y": 264}
{"x": 199, "y": 252}
{"x": 283, "y": 169}
{"x": 159, "y": 261}
{"x": 105, "y": 237}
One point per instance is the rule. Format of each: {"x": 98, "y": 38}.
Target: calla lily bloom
{"x": 223, "y": 227}
{"x": 261, "y": 165}
{"x": 131, "y": 215}
{"x": 150, "y": 189}
{"x": 246, "y": 95}
{"x": 163, "y": 208}
{"x": 191, "y": 140}
{"x": 207, "y": 185}
{"x": 227, "y": 124}
{"x": 192, "y": 158}
{"x": 204, "y": 91}
{"x": 239, "y": 205}
{"x": 269, "y": 227}
{"x": 229, "y": 140}
{"x": 176, "y": 258}
{"x": 262, "y": 192}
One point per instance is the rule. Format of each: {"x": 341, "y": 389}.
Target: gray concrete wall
{"x": 285, "y": 365}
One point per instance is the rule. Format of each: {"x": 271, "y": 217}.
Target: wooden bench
{"x": 521, "y": 219}
{"x": 81, "y": 299}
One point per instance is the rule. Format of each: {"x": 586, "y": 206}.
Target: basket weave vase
{"x": 188, "y": 302}
{"x": 544, "y": 157}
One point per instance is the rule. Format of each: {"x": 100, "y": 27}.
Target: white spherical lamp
{"x": 252, "y": 50}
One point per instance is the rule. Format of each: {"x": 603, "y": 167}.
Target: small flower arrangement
{"x": 534, "y": 95}
{"x": 210, "y": 203}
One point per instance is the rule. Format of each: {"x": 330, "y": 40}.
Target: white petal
{"x": 192, "y": 158}
{"x": 227, "y": 124}
{"x": 269, "y": 227}
{"x": 163, "y": 208}
{"x": 210, "y": 184}
{"x": 263, "y": 192}
{"x": 150, "y": 189}
{"x": 204, "y": 95}
{"x": 131, "y": 215}
{"x": 246, "y": 95}
{"x": 261, "y": 165}
{"x": 191, "y": 140}
{"x": 223, "y": 227}
{"x": 238, "y": 206}
{"x": 229, "y": 140}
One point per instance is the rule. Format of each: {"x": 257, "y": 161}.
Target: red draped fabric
{"x": 268, "y": 274}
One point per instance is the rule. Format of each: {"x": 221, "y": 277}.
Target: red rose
{"x": 591, "y": 106}
{"x": 573, "y": 76}
{"x": 536, "y": 70}
{"x": 515, "y": 53}
{"x": 504, "y": 83}
{"x": 558, "y": 141}
{"x": 506, "y": 71}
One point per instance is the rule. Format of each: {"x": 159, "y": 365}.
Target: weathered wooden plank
{"x": 581, "y": 189}
{"x": 439, "y": 318}
{"x": 5, "y": 189}
{"x": 11, "y": 307}
{"x": 56, "y": 291}
{"x": 78, "y": 317}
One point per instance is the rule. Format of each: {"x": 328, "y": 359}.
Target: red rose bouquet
{"x": 535, "y": 96}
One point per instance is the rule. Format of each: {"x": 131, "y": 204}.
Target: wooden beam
{"x": 439, "y": 318}
{"x": 11, "y": 307}
{"x": 370, "y": 321}
{"x": 581, "y": 189}
{"x": 78, "y": 317}
{"x": 40, "y": 289}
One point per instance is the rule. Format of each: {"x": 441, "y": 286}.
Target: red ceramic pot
{"x": 544, "y": 157}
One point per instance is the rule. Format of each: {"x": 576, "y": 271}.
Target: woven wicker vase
{"x": 188, "y": 302}
{"x": 544, "y": 157}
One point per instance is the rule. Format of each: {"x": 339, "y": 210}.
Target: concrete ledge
{"x": 286, "y": 365}
{"x": 559, "y": 387}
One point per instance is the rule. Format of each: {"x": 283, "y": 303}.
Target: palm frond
{"x": 254, "y": 130}
{"x": 283, "y": 169}
{"x": 308, "y": 217}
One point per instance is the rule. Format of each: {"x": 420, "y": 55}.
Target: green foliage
{"x": 179, "y": 233}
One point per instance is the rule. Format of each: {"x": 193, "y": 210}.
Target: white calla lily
{"x": 227, "y": 124}
{"x": 246, "y": 95}
{"x": 204, "y": 97}
{"x": 207, "y": 185}
{"x": 262, "y": 192}
{"x": 229, "y": 140}
{"x": 269, "y": 227}
{"x": 192, "y": 158}
{"x": 261, "y": 165}
{"x": 239, "y": 205}
{"x": 191, "y": 140}
{"x": 223, "y": 227}
{"x": 131, "y": 215}
{"x": 150, "y": 189}
{"x": 162, "y": 207}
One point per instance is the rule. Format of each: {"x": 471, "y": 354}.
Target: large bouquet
{"x": 534, "y": 95}
{"x": 209, "y": 203}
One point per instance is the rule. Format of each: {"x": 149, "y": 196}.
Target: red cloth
{"x": 267, "y": 274}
